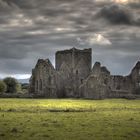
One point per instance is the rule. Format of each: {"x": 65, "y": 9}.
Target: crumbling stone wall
{"x": 43, "y": 79}
{"x": 96, "y": 85}
{"x": 135, "y": 76}
{"x": 100, "y": 84}
{"x": 120, "y": 84}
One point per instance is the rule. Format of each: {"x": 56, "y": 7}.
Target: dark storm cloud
{"x": 117, "y": 14}
{"x": 32, "y": 29}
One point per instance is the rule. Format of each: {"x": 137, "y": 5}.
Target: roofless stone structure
{"x": 74, "y": 77}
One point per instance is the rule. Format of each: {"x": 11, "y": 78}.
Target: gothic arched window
{"x": 138, "y": 84}
{"x": 37, "y": 84}
{"x": 76, "y": 72}
{"x": 40, "y": 84}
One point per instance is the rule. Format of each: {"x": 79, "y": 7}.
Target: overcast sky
{"x": 32, "y": 29}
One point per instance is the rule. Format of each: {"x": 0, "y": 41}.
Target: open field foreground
{"x": 69, "y": 119}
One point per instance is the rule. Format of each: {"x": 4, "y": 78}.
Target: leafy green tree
{"x": 19, "y": 88}
{"x": 12, "y": 85}
{"x": 3, "y": 87}
{"x": 25, "y": 88}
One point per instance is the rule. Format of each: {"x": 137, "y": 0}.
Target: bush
{"x": 12, "y": 85}
{"x": 3, "y": 87}
{"x": 25, "y": 88}
{"x": 19, "y": 89}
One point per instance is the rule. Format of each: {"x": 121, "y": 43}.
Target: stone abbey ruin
{"x": 74, "y": 77}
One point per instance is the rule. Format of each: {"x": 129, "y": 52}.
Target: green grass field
{"x": 69, "y": 119}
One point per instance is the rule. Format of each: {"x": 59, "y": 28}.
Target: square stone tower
{"x": 74, "y": 66}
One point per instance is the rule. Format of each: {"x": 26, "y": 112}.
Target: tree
{"x": 25, "y": 87}
{"x": 3, "y": 87}
{"x": 19, "y": 89}
{"x": 12, "y": 85}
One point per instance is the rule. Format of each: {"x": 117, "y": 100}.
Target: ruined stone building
{"x": 73, "y": 76}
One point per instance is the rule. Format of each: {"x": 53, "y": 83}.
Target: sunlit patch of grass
{"x": 67, "y": 119}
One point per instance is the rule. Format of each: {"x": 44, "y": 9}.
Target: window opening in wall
{"x": 49, "y": 79}
{"x": 37, "y": 84}
{"x": 81, "y": 81}
{"x": 77, "y": 72}
{"x": 40, "y": 86}
{"x": 138, "y": 84}
{"x": 106, "y": 81}
{"x": 52, "y": 81}
{"x": 118, "y": 87}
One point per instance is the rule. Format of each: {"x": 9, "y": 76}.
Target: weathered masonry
{"x": 74, "y": 77}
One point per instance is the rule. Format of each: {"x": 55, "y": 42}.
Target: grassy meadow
{"x": 69, "y": 119}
